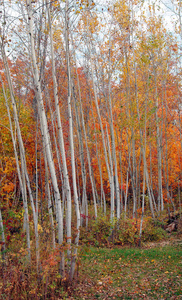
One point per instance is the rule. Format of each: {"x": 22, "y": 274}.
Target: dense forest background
{"x": 90, "y": 122}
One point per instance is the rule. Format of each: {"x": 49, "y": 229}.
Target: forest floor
{"x": 151, "y": 272}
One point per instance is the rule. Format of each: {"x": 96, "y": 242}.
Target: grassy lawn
{"x": 131, "y": 273}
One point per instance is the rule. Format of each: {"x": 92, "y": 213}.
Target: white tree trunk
{"x": 44, "y": 126}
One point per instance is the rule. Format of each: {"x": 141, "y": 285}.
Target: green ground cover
{"x": 131, "y": 273}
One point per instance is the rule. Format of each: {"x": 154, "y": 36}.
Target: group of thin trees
{"x": 104, "y": 91}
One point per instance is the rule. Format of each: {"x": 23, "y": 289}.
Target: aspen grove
{"x": 90, "y": 124}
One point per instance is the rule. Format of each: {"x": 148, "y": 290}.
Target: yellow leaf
{"x": 39, "y": 227}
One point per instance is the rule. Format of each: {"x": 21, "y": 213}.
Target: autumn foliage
{"x": 92, "y": 153}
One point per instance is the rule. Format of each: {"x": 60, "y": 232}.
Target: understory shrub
{"x": 19, "y": 279}
{"x": 98, "y": 232}
{"x": 102, "y": 232}
{"x": 127, "y": 232}
{"x": 153, "y": 233}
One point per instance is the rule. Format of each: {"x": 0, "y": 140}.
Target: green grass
{"x": 131, "y": 273}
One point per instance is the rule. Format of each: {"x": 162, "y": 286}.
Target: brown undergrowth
{"x": 106, "y": 257}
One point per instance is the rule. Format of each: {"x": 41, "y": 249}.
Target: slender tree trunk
{"x": 159, "y": 148}
{"x": 36, "y": 173}
{"x": 60, "y": 136}
{"x": 143, "y": 206}
{"x": 44, "y": 127}
{"x": 111, "y": 179}
{"x": 81, "y": 152}
{"x": 112, "y": 175}
{"x": 21, "y": 174}
{"x": 49, "y": 202}
{"x": 143, "y": 144}
{"x": 87, "y": 149}
{"x": 3, "y": 245}
{"x": 77, "y": 209}
{"x": 113, "y": 146}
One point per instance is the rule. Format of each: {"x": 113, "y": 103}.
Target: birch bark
{"x": 44, "y": 127}
{"x": 76, "y": 202}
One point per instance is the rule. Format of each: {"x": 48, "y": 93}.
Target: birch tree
{"x": 44, "y": 127}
